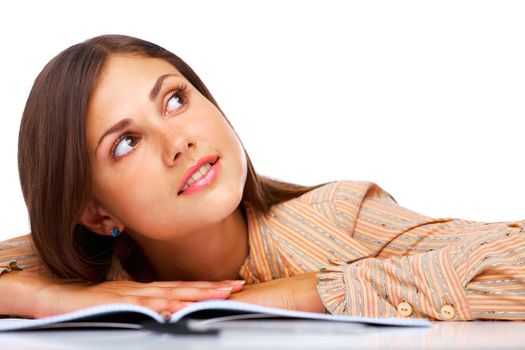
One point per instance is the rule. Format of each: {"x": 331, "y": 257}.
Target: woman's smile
{"x": 199, "y": 177}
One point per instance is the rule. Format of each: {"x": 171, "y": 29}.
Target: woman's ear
{"x": 97, "y": 220}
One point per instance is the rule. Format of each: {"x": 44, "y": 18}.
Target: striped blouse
{"x": 375, "y": 258}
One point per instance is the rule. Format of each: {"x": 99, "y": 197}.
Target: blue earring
{"x": 115, "y": 232}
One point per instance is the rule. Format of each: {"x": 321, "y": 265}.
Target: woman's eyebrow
{"x": 158, "y": 84}
{"x": 124, "y": 123}
{"x": 115, "y": 128}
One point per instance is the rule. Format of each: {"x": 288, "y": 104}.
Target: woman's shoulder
{"x": 355, "y": 190}
{"x": 20, "y": 248}
{"x": 20, "y": 252}
{"x": 19, "y": 242}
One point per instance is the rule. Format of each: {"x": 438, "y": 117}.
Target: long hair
{"x": 54, "y": 166}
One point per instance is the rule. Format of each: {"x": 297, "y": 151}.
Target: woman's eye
{"x": 177, "y": 99}
{"x": 125, "y": 145}
{"x": 174, "y": 103}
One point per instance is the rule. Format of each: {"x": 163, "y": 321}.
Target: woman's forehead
{"x": 126, "y": 67}
{"x": 127, "y": 76}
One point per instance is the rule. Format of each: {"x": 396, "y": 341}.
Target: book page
{"x": 109, "y": 313}
{"x": 219, "y": 308}
{"x": 132, "y": 316}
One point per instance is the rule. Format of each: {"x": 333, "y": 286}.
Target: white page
{"x": 250, "y": 308}
{"x": 21, "y": 323}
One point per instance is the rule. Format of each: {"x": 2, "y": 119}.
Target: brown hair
{"x": 54, "y": 166}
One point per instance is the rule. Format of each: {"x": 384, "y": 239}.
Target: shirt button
{"x": 404, "y": 309}
{"x": 447, "y": 312}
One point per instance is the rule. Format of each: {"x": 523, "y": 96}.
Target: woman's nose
{"x": 174, "y": 147}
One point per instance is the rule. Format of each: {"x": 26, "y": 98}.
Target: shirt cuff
{"x": 331, "y": 289}
{"x": 9, "y": 266}
{"x": 427, "y": 282}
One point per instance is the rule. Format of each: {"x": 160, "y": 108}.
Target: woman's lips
{"x": 191, "y": 170}
{"x": 205, "y": 181}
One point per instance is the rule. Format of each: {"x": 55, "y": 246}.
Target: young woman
{"x": 135, "y": 181}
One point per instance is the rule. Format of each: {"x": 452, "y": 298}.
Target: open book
{"x": 201, "y": 317}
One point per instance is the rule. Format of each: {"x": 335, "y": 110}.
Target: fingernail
{"x": 237, "y": 282}
{"x": 229, "y": 289}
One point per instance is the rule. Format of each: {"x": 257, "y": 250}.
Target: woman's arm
{"x": 291, "y": 293}
{"x": 34, "y": 293}
{"x": 415, "y": 266}
{"x": 478, "y": 277}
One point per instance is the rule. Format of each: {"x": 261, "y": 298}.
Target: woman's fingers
{"x": 161, "y": 306}
{"x": 170, "y": 297}
{"x": 197, "y": 294}
{"x": 160, "y": 296}
{"x": 180, "y": 298}
{"x": 197, "y": 284}
{"x": 177, "y": 293}
{"x": 185, "y": 290}
{"x": 173, "y": 284}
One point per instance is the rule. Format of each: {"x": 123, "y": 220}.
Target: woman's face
{"x": 146, "y": 126}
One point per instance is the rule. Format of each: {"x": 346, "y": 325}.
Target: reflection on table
{"x": 441, "y": 335}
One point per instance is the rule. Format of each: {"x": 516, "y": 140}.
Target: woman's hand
{"x": 292, "y": 293}
{"x": 38, "y": 296}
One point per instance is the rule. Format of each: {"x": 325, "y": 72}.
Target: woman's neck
{"x": 213, "y": 254}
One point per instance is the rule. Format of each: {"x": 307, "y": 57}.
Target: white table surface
{"x": 442, "y": 335}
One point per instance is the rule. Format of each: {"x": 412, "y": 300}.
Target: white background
{"x": 424, "y": 98}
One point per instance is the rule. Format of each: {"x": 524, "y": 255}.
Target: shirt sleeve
{"x": 440, "y": 269}
{"x": 19, "y": 254}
